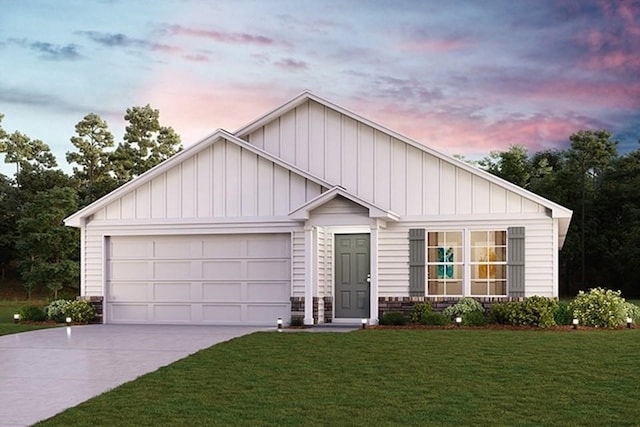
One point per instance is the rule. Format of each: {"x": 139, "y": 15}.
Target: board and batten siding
{"x": 380, "y": 168}
{"x": 393, "y": 258}
{"x": 221, "y": 181}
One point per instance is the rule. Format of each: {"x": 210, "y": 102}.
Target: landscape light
{"x": 279, "y": 323}
{"x": 16, "y": 318}
{"x": 364, "y": 323}
{"x": 68, "y": 321}
{"x": 458, "y": 321}
{"x": 629, "y": 322}
{"x": 575, "y": 323}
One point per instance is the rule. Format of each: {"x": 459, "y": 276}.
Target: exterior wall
{"x": 380, "y": 168}
{"x": 221, "y": 181}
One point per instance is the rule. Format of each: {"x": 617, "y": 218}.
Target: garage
{"x": 240, "y": 279}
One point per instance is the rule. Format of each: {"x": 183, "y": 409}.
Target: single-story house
{"x": 314, "y": 211}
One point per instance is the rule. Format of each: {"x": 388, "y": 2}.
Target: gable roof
{"x": 76, "y": 220}
{"x": 556, "y": 211}
{"x": 374, "y": 211}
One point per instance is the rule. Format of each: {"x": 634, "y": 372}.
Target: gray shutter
{"x": 417, "y": 262}
{"x": 515, "y": 261}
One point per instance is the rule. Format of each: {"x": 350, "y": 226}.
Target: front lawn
{"x": 387, "y": 377}
{"x": 7, "y": 326}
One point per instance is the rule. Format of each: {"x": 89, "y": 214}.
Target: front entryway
{"x": 352, "y": 275}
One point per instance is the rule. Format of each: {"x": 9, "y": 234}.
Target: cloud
{"x": 34, "y": 98}
{"x": 114, "y": 40}
{"x": 292, "y": 65}
{"x": 219, "y": 36}
{"x": 49, "y": 51}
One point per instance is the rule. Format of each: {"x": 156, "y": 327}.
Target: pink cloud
{"x": 292, "y": 64}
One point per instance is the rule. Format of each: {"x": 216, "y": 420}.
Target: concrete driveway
{"x": 46, "y": 371}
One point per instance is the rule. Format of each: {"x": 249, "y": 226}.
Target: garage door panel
{"x": 221, "y": 292}
{"x": 168, "y": 313}
{"x": 172, "y": 291}
{"x": 129, "y": 291}
{"x": 268, "y": 269}
{"x": 121, "y": 270}
{"x": 132, "y": 313}
{"x": 222, "y": 270}
{"x": 170, "y": 270}
{"x": 268, "y": 292}
{"x": 210, "y": 279}
{"x": 220, "y": 313}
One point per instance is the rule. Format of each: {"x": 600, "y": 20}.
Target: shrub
{"x": 498, "y": 313}
{"x": 419, "y": 310}
{"x": 599, "y": 307}
{"x": 297, "y": 321}
{"x": 434, "y": 319}
{"x": 474, "y": 318}
{"x": 55, "y": 310}
{"x": 462, "y": 308}
{"x": 79, "y": 311}
{"x": 392, "y": 318}
{"x": 632, "y": 311}
{"x": 32, "y": 313}
{"x": 538, "y": 311}
{"x": 563, "y": 315}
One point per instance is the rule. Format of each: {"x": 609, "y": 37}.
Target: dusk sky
{"x": 464, "y": 77}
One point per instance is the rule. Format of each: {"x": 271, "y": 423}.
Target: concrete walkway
{"x": 46, "y": 371}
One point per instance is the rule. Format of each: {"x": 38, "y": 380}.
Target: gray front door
{"x": 352, "y": 275}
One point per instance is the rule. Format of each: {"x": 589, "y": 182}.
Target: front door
{"x": 352, "y": 274}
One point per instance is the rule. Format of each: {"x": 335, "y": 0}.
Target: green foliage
{"x": 392, "y": 318}
{"x": 296, "y": 321}
{"x": 32, "y": 313}
{"x": 433, "y": 318}
{"x": 475, "y": 318}
{"x": 600, "y": 307}
{"x": 80, "y": 311}
{"x": 533, "y": 311}
{"x": 56, "y": 310}
{"x": 499, "y": 313}
{"x": 563, "y": 315}
{"x": 632, "y": 311}
{"x": 419, "y": 310}
{"x": 463, "y": 307}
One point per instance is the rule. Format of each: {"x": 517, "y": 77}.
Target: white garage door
{"x": 213, "y": 279}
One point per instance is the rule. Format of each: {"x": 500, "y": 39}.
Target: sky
{"x": 463, "y": 77}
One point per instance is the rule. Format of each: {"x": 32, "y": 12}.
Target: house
{"x": 311, "y": 210}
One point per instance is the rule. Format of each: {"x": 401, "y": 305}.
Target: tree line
{"x": 601, "y": 186}
{"x": 34, "y": 243}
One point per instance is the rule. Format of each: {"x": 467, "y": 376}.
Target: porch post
{"x": 309, "y": 272}
{"x": 373, "y": 285}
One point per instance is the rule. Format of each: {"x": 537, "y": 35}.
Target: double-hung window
{"x": 445, "y": 263}
{"x": 488, "y": 262}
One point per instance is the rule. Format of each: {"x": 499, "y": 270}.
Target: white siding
{"x": 380, "y": 168}
{"x": 221, "y": 181}
{"x": 297, "y": 241}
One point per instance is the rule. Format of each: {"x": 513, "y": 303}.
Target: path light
{"x": 68, "y": 321}
{"x": 16, "y": 318}
{"x": 364, "y": 323}
{"x": 575, "y": 323}
{"x": 279, "y": 324}
{"x": 458, "y": 321}
{"x": 629, "y": 322}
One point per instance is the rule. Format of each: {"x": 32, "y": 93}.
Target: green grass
{"x": 7, "y": 310}
{"x": 386, "y": 378}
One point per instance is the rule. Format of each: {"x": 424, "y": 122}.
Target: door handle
{"x": 369, "y": 278}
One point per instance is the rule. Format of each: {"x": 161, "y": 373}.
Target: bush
{"x": 32, "y": 313}
{"x": 434, "y": 319}
{"x": 463, "y": 307}
{"x": 499, "y": 313}
{"x": 55, "y": 310}
{"x": 297, "y": 321}
{"x": 80, "y": 311}
{"x": 392, "y": 318}
{"x": 419, "y": 310}
{"x": 632, "y": 311}
{"x": 563, "y": 315}
{"x": 474, "y": 318}
{"x": 599, "y": 307}
{"x": 535, "y": 311}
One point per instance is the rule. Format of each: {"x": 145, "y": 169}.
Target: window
{"x": 488, "y": 263}
{"x": 445, "y": 263}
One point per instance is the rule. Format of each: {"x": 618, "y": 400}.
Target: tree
{"x": 511, "y": 165}
{"x": 590, "y": 154}
{"x": 25, "y": 152}
{"x": 146, "y": 143}
{"x": 94, "y": 163}
{"x": 47, "y": 250}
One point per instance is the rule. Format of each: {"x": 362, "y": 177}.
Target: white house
{"x": 311, "y": 210}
